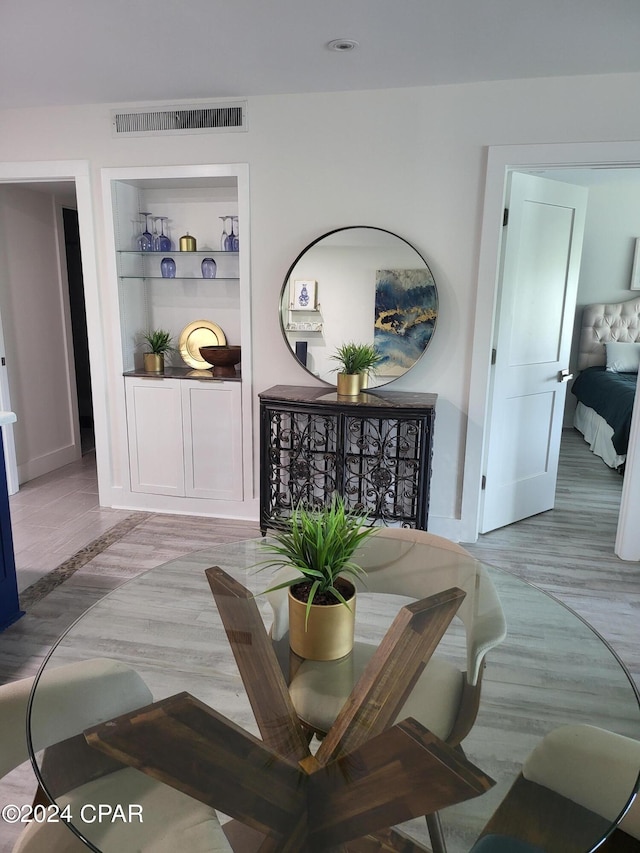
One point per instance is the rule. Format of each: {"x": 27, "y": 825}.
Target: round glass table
{"x": 188, "y": 736}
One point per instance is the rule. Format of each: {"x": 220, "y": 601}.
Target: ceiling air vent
{"x": 196, "y": 118}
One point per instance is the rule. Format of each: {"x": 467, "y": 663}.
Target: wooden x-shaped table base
{"x": 367, "y": 775}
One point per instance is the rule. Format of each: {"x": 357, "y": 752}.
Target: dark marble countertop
{"x": 373, "y": 398}
{"x": 184, "y": 373}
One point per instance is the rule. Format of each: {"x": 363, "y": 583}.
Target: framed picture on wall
{"x": 635, "y": 270}
{"x": 303, "y": 295}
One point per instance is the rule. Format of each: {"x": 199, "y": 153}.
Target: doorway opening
{"x": 68, "y": 183}
{"x": 534, "y": 159}
{"x": 43, "y": 300}
{"x": 80, "y": 338}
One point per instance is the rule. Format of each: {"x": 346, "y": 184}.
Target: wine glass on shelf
{"x": 236, "y": 235}
{"x": 164, "y": 241}
{"x": 209, "y": 268}
{"x": 136, "y": 228}
{"x": 154, "y": 234}
{"x": 168, "y": 268}
{"x": 228, "y": 243}
{"x": 145, "y": 239}
{"x": 224, "y": 237}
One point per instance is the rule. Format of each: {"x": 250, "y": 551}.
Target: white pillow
{"x": 623, "y": 357}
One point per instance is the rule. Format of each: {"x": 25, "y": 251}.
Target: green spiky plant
{"x": 319, "y": 544}
{"x": 356, "y": 358}
{"x": 159, "y": 341}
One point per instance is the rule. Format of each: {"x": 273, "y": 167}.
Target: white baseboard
{"x": 450, "y": 528}
{"x": 120, "y": 498}
{"x": 41, "y": 465}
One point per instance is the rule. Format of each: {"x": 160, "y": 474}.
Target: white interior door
{"x": 541, "y": 253}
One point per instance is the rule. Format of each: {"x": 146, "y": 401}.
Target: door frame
{"x": 78, "y": 171}
{"x": 502, "y": 159}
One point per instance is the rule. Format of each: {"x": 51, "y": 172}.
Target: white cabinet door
{"x": 212, "y": 419}
{"x": 154, "y": 425}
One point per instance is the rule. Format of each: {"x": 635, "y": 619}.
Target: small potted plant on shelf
{"x": 319, "y": 544}
{"x": 356, "y": 361}
{"x": 159, "y": 343}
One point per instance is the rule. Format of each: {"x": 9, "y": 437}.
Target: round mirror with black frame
{"x": 359, "y": 284}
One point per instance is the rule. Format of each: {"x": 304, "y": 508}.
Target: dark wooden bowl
{"x": 223, "y": 359}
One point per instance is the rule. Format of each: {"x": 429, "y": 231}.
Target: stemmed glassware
{"x": 228, "y": 243}
{"x": 236, "y": 237}
{"x": 163, "y": 240}
{"x": 154, "y": 234}
{"x": 224, "y": 237}
{"x": 136, "y": 226}
{"x": 145, "y": 238}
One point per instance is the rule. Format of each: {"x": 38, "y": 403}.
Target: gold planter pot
{"x": 153, "y": 362}
{"x": 329, "y": 632}
{"x": 349, "y": 384}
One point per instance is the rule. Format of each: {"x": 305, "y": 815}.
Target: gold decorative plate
{"x": 200, "y": 333}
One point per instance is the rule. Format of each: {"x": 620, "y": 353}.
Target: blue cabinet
{"x": 9, "y": 602}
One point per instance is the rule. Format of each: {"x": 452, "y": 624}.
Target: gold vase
{"x": 153, "y": 362}
{"x": 329, "y": 631}
{"x": 349, "y": 384}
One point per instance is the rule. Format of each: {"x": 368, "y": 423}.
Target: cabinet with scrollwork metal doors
{"x": 374, "y": 449}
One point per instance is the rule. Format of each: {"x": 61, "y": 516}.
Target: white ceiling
{"x": 114, "y": 51}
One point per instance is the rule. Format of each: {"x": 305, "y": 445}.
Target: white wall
{"x": 411, "y": 161}
{"x": 611, "y": 227}
{"x": 612, "y": 224}
{"x": 36, "y": 324}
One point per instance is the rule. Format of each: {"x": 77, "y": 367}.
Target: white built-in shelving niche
{"x": 146, "y": 299}
{"x": 193, "y": 198}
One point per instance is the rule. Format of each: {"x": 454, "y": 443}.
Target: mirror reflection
{"x": 359, "y": 284}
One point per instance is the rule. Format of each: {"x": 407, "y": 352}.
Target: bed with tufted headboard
{"x": 608, "y": 360}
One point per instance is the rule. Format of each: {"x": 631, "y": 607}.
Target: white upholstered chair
{"x": 591, "y": 766}
{"x": 446, "y": 696}
{"x": 70, "y": 699}
{"x": 573, "y": 785}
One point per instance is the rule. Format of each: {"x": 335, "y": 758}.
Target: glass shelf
{"x": 201, "y": 252}
{"x": 303, "y": 327}
{"x": 179, "y": 278}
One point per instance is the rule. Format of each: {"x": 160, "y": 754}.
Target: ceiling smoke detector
{"x": 342, "y": 45}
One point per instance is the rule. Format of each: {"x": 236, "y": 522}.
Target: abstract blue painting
{"x": 406, "y": 311}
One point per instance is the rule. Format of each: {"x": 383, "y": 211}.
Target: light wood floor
{"x": 569, "y": 551}
{"x": 54, "y": 516}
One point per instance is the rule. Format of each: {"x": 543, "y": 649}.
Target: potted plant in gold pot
{"x": 356, "y": 362}
{"x": 159, "y": 343}
{"x": 319, "y": 544}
